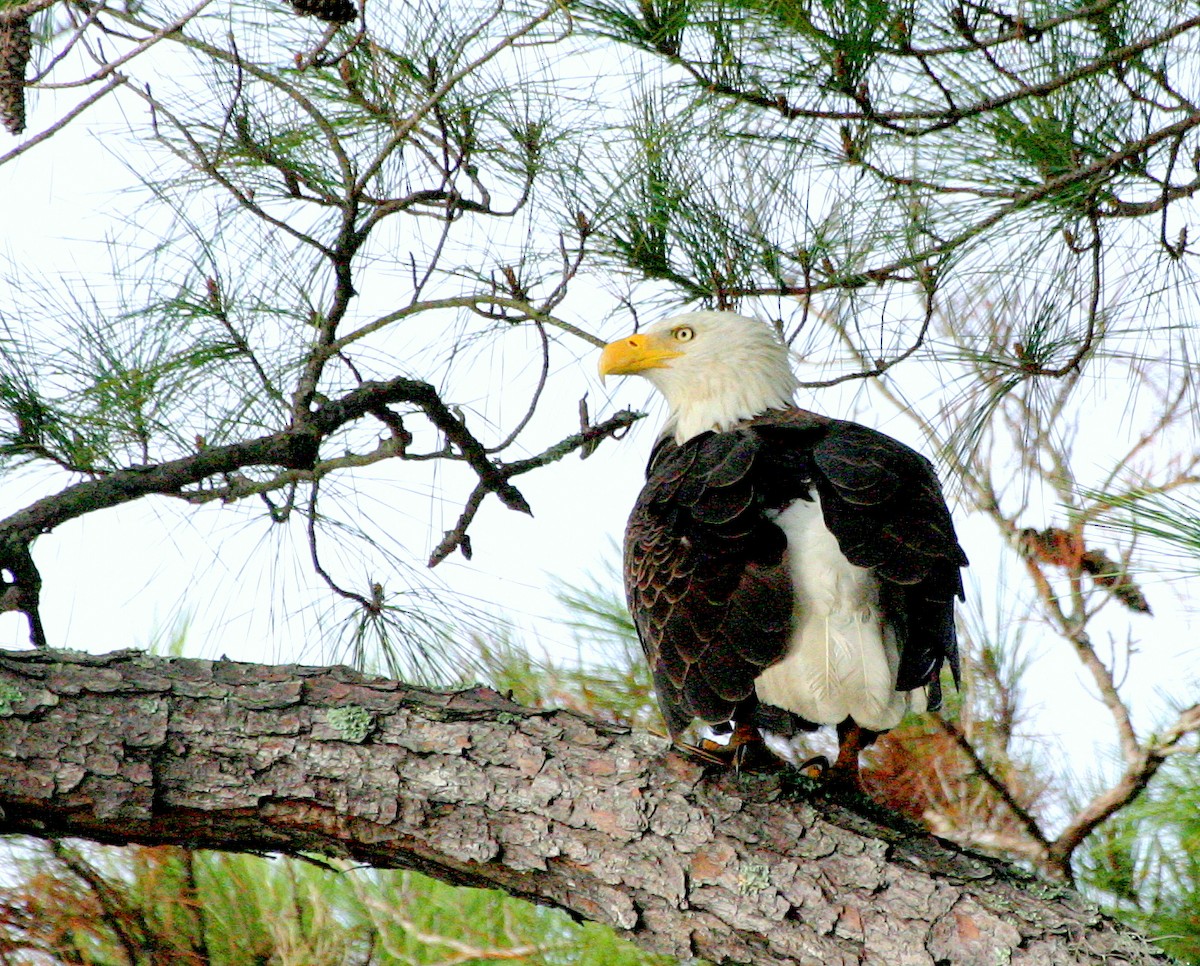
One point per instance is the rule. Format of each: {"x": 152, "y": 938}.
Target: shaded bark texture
{"x": 470, "y": 788}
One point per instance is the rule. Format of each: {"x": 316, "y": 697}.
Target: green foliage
{"x": 609, "y": 677}
{"x": 34, "y": 427}
{"x": 898, "y": 150}
{"x": 145, "y": 906}
{"x": 1145, "y": 861}
{"x": 1171, "y": 521}
{"x": 170, "y": 640}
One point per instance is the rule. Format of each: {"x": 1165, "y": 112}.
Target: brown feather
{"x": 706, "y": 568}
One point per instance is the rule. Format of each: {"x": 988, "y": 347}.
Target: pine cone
{"x": 1056, "y": 546}
{"x": 332, "y": 11}
{"x": 16, "y": 42}
{"x": 1107, "y": 573}
{"x": 1052, "y": 545}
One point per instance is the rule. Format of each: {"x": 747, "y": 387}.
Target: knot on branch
{"x": 21, "y": 585}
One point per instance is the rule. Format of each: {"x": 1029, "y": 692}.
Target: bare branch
{"x": 112, "y": 85}
{"x": 456, "y": 538}
{"x": 1141, "y": 766}
{"x": 1027, "y": 821}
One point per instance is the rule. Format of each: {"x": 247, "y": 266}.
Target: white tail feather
{"x": 843, "y": 659}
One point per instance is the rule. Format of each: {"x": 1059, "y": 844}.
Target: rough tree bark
{"x": 549, "y": 806}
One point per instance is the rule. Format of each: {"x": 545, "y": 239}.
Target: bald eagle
{"x": 784, "y": 569}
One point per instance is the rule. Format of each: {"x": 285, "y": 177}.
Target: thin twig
{"x": 167, "y": 30}
{"x": 537, "y": 393}
{"x": 66, "y": 119}
{"x": 457, "y": 537}
{"x": 1027, "y": 821}
{"x": 882, "y": 365}
{"x": 404, "y": 128}
{"x": 117, "y": 912}
{"x": 315, "y": 557}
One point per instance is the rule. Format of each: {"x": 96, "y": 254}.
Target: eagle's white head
{"x": 715, "y": 369}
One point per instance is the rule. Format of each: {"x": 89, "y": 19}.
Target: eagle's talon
{"x": 817, "y": 762}
{"x": 707, "y": 752}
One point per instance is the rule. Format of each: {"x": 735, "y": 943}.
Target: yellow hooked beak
{"x": 636, "y": 353}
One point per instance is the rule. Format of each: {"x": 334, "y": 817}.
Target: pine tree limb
{"x": 547, "y": 805}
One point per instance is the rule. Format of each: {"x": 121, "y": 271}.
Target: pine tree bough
{"x": 16, "y": 44}
{"x": 547, "y": 805}
{"x": 294, "y": 448}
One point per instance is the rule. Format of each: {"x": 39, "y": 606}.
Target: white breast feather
{"x": 842, "y": 661}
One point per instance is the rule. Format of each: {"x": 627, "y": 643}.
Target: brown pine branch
{"x": 997, "y": 784}
{"x": 549, "y": 806}
{"x": 1141, "y": 767}
{"x": 294, "y": 449}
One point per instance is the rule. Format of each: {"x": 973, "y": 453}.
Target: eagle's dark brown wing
{"x": 883, "y": 503}
{"x": 705, "y": 570}
{"x": 705, "y": 575}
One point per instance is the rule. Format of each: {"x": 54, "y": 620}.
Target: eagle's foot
{"x": 745, "y": 751}
{"x": 838, "y": 777}
{"x": 706, "y": 753}
{"x": 844, "y": 775}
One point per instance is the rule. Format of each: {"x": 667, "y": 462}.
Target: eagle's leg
{"x": 745, "y": 734}
{"x": 745, "y": 750}
{"x": 750, "y": 752}
{"x": 852, "y": 739}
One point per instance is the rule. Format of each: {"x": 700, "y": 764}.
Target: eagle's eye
{"x": 684, "y": 333}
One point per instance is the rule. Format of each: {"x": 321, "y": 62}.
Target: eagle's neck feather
{"x": 724, "y": 396}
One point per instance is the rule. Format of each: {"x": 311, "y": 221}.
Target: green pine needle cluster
{"x": 148, "y": 906}
{"x": 1144, "y": 862}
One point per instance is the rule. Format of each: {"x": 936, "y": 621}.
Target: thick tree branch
{"x": 373, "y": 395}
{"x": 475, "y": 790}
